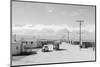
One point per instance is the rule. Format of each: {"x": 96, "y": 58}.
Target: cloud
{"x": 50, "y": 11}
{"x": 90, "y": 28}
{"x": 49, "y": 8}
{"x": 38, "y": 28}
{"x": 88, "y": 31}
{"x": 75, "y": 14}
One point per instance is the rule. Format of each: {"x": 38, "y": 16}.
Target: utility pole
{"x": 80, "y": 39}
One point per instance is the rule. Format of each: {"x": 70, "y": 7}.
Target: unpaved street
{"x": 69, "y": 53}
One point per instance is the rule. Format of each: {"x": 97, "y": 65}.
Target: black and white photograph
{"x": 52, "y": 33}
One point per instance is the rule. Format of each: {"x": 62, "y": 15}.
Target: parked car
{"x": 45, "y": 48}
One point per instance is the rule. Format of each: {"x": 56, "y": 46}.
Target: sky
{"x": 28, "y": 18}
